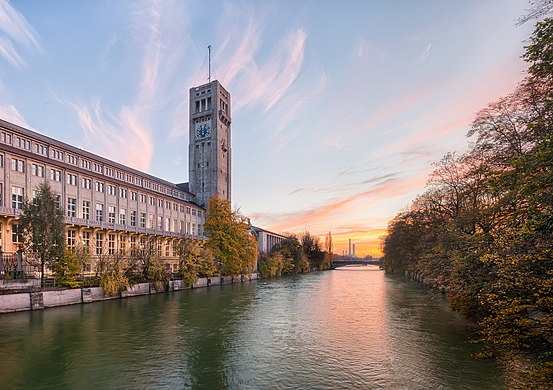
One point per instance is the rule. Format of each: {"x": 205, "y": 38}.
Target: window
{"x": 17, "y": 198}
{"x": 17, "y": 233}
{"x": 23, "y": 143}
{"x": 193, "y": 229}
{"x": 159, "y": 247}
{"x": 37, "y": 170}
{"x": 151, "y": 221}
{"x": 181, "y": 227}
{"x": 86, "y": 209}
{"x": 122, "y": 243}
{"x": 41, "y": 149}
{"x": 57, "y": 201}
{"x": 133, "y": 245}
{"x": 134, "y": 196}
{"x": 99, "y": 243}
{"x": 187, "y": 210}
{"x": 133, "y": 218}
{"x": 99, "y": 186}
{"x": 159, "y": 203}
{"x": 176, "y": 251}
{"x": 111, "y": 244}
{"x": 18, "y": 165}
{"x": 111, "y": 189}
{"x": 187, "y": 227}
{"x": 152, "y": 201}
{"x": 123, "y": 216}
{"x": 6, "y": 138}
{"x": 72, "y": 180}
{"x": 142, "y": 198}
{"x": 167, "y": 224}
{"x": 86, "y": 242}
{"x": 142, "y": 244}
{"x": 71, "y": 238}
{"x": 99, "y": 212}
{"x": 85, "y": 164}
{"x": 55, "y": 175}
{"x": 142, "y": 220}
{"x": 160, "y": 222}
{"x": 166, "y": 248}
{"x": 87, "y": 183}
{"x": 71, "y": 159}
{"x": 123, "y": 193}
{"x": 71, "y": 207}
{"x": 111, "y": 214}
{"x": 56, "y": 154}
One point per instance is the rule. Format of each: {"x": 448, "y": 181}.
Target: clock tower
{"x": 209, "y": 149}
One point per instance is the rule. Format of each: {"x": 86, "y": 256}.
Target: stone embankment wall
{"x": 38, "y": 300}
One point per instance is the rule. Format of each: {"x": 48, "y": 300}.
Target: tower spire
{"x": 209, "y": 65}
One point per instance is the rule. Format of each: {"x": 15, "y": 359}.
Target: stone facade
{"x": 111, "y": 208}
{"x": 210, "y": 142}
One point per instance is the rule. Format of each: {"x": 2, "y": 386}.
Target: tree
{"x": 311, "y": 247}
{"x": 229, "y": 240}
{"x": 44, "y": 228}
{"x": 196, "y": 261}
{"x": 328, "y": 252}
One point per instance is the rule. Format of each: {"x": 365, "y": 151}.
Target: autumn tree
{"x": 196, "y": 261}
{"x": 483, "y": 229}
{"x": 44, "y": 228}
{"x": 230, "y": 242}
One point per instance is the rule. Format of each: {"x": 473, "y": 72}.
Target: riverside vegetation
{"x": 230, "y": 249}
{"x": 482, "y": 232}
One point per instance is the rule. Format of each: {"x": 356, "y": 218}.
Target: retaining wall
{"x": 19, "y": 284}
{"x": 43, "y": 299}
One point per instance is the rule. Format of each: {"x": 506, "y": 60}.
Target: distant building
{"x": 266, "y": 240}
{"x": 111, "y": 208}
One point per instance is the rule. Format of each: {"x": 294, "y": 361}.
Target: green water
{"x": 343, "y": 329}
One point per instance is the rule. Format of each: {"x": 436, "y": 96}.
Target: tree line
{"x": 482, "y": 232}
{"x": 295, "y": 255}
{"x": 230, "y": 250}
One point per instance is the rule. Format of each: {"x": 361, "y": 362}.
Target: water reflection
{"x": 340, "y": 329}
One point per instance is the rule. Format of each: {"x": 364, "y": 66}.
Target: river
{"x": 343, "y": 329}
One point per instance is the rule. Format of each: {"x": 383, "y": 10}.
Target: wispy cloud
{"x": 127, "y": 136}
{"x": 265, "y": 83}
{"x": 323, "y": 215}
{"x": 122, "y": 137}
{"x": 15, "y": 31}
{"x": 424, "y": 55}
{"x": 10, "y": 113}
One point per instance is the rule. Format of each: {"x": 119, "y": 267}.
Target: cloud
{"x": 14, "y": 31}
{"x": 127, "y": 137}
{"x": 10, "y": 114}
{"x": 424, "y": 55}
{"x": 123, "y": 138}
{"x": 264, "y": 84}
{"x": 323, "y": 215}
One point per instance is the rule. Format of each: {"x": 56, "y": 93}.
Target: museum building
{"x": 110, "y": 208}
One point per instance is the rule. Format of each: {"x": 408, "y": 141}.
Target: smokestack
{"x": 349, "y": 248}
{"x": 353, "y": 250}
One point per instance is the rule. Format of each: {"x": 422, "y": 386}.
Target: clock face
{"x": 203, "y": 130}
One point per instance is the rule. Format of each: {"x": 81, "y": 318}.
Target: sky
{"x": 339, "y": 108}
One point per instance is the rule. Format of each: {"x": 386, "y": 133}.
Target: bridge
{"x": 353, "y": 261}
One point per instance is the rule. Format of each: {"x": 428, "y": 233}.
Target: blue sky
{"x": 339, "y": 107}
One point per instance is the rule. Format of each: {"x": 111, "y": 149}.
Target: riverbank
{"x": 43, "y": 299}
